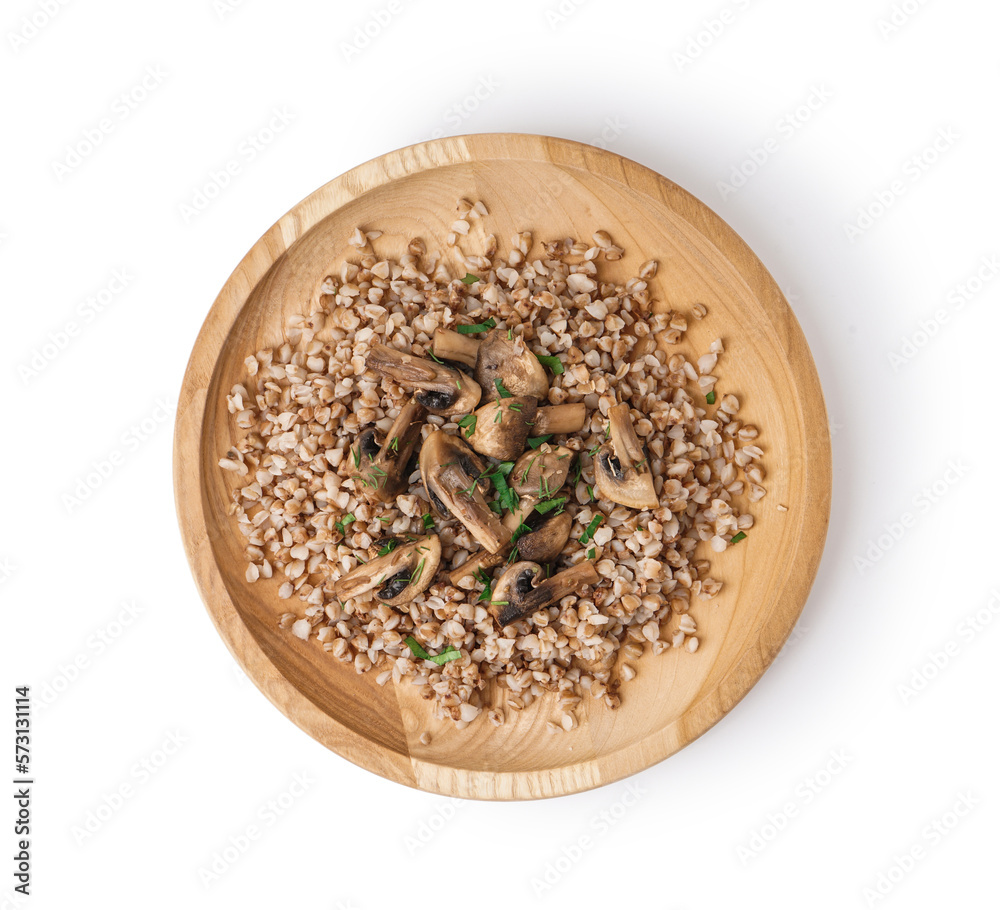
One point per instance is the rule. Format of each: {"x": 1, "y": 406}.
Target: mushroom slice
{"x": 449, "y": 345}
{"x": 438, "y": 388}
{"x": 399, "y": 575}
{"x": 384, "y": 468}
{"x": 621, "y": 468}
{"x": 508, "y": 359}
{"x": 451, "y": 472}
{"x": 560, "y": 418}
{"x": 538, "y": 475}
{"x": 502, "y": 427}
{"x": 547, "y": 541}
{"x": 543, "y": 543}
{"x": 517, "y": 595}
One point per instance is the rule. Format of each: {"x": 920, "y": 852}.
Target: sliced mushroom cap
{"x": 451, "y": 471}
{"x": 440, "y": 389}
{"x": 621, "y": 469}
{"x": 548, "y": 540}
{"x": 502, "y": 427}
{"x": 542, "y": 471}
{"x": 508, "y": 359}
{"x": 383, "y": 468}
{"x": 399, "y": 575}
{"x": 536, "y": 476}
{"x": 523, "y": 589}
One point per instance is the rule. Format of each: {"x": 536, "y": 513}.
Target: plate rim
{"x": 436, "y": 777}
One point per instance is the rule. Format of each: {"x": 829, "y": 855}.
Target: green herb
{"x": 516, "y": 405}
{"x": 498, "y": 382}
{"x": 384, "y": 520}
{"x": 499, "y": 415}
{"x": 536, "y": 441}
{"x": 490, "y": 323}
{"x": 484, "y": 580}
{"x": 390, "y": 545}
{"x": 736, "y": 538}
{"x": 587, "y": 535}
{"x": 458, "y": 384}
{"x": 519, "y": 532}
{"x": 469, "y": 278}
{"x": 377, "y": 471}
{"x": 505, "y": 495}
{"x": 495, "y": 507}
{"x": 640, "y": 463}
{"x": 428, "y": 521}
{"x": 448, "y": 654}
{"x": 590, "y": 492}
{"x": 710, "y": 398}
{"x": 356, "y": 453}
{"x": 510, "y": 334}
{"x": 420, "y": 571}
{"x": 527, "y": 470}
{"x": 346, "y": 520}
{"x": 577, "y": 472}
{"x": 607, "y": 431}
{"x": 553, "y": 363}
{"x": 544, "y": 507}
{"x": 593, "y": 450}
{"x": 591, "y": 553}
{"x": 434, "y": 357}
{"x": 469, "y": 424}
{"x": 513, "y": 557}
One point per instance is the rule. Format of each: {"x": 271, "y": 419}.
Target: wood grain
{"x": 556, "y": 188}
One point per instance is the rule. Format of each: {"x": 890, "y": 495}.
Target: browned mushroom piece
{"x": 383, "y": 468}
{"x": 451, "y": 472}
{"x": 523, "y": 589}
{"x": 546, "y": 542}
{"x": 560, "y": 418}
{"x": 503, "y": 426}
{"x": 440, "y": 389}
{"x": 621, "y": 468}
{"x": 399, "y": 576}
{"x": 449, "y": 345}
{"x": 509, "y": 360}
{"x": 538, "y": 475}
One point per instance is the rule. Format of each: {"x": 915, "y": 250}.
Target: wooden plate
{"x": 556, "y": 188}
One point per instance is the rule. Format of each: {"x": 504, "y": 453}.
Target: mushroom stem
{"x": 626, "y": 444}
{"x": 449, "y": 345}
{"x": 560, "y": 418}
{"x": 480, "y": 562}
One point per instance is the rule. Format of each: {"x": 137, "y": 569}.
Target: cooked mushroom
{"x": 621, "y": 468}
{"x": 537, "y": 475}
{"x": 560, "y": 418}
{"x": 449, "y": 345}
{"x": 508, "y": 359}
{"x": 383, "y": 468}
{"x": 516, "y": 595}
{"x": 547, "y": 538}
{"x": 438, "y": 388}
{"x": 547, "y": 541}
{"x": 451, "y": 472}
{"x": 502, "y": 427}
{"x": 400, "y": 575}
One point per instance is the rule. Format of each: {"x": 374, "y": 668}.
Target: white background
{"x": 710, "y": 827}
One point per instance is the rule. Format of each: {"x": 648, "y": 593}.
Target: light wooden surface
{"x": 556, "y": 188}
